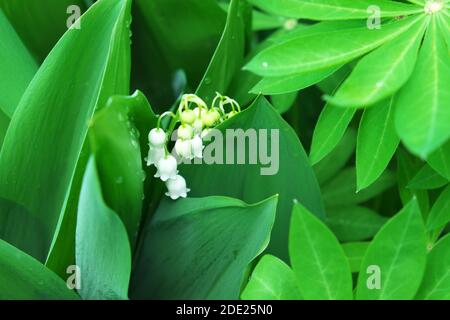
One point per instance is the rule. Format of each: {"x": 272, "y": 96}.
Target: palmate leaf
{"x": 103, "y": 251}
{"x": 398, "y": 251}
{"x": 328, "y": 49}
{"x": 229, "y": 55}
{"x": 422, "y": 113}
{"x": 199, "y": 248}
{"x": 41, "y": 149}
{"x": 294, "y": 178}
{"x": 334, "y": 9}
{"x": 377, "y": 142}
{"x": 39, "y": 24}
{"x": 272, "y": 279}
{"x": 23, "y": 277}
{"x": 317, "y": 258}
{"x": 371, "y": 80}
{"x": 436, "y": 281}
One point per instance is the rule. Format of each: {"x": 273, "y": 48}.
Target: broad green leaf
{"x": 421, "y": 112}
{"x": 262, "y": 21}
{"x": 294, "y": 82}
{"x": 354, "y": 223}
{"x": 23, "y": 277}
{"x": 444, "y": 25}
{"x": 329, "y": 166}
{"x": 283, "y": 102}
{"x": 355, "y": 252}
{"x": 328, "y": 49}
{"x": 382, "y": 72}
{"x": 426, "y": 179}
{"x": 377, "y": 142}
{"x": 17, "y": 67}
{"x": 318, "y": 259}
{"x": 199, "y": 248}
{"x": 440, "y": 212}
{"x": 436, "y": 281}
{"x": 439, "y": 160}
{"x": 329, "y": 130}
{"x": 407, "y": 168}
{"x": 271, "y": 279}
{"x": 286, "y": 162}
{"x": 398, "y": 252}
{"x": 40, "y": 24}
{"x": 229, "y": 55}
{"x": 41, "y": 149}
{"x": 341, "y": 190}
{"x": 114, "y": 142}
{"x": 334, "y": 9}
{"x": 102, "y": 248}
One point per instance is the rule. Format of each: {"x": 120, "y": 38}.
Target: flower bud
{"x": 188, "y": 117}
{"x": 211, "y": 117}
{"x": 167, "y": 168}
{"x": 231, "y": 114}
{"x": 176, "y": 188}
{"x": 157, "y": 137}
{"x": 185, "y": 132}
{"x": 183, "y": 148}
{"x": 197, "y": 146}
{"x": 155, "y": 154}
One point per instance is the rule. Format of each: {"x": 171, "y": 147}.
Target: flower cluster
{"x": 196, "y": 119}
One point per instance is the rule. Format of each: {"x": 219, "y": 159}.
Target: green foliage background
{"x": 363, "y": 115}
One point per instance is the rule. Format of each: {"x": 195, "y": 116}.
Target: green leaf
{"x": 199, "y": 248}
{"x": 318, "y": 259}
{"x": 329, "y": 130}
{"x": 102, "y": 249}
{"x": 40, "y": 24}
{"x": 439, "y": 160}
{"x": 334, "y": 9}
{"x": 377, "y": 142}
{"x": 283, "y": 102}
{"x": 23, "y": 277}
{"x": 436, "y": 281}
{"x": 329, "y": 166}
{"x": 422, "y": 114}
{"x": 407, "y": 168}
{"x": 254, "y": 182}
{"x": 383, "y": 71}
{"x": 262, "y": 21}
{"x": 17, "y": 67}
{"x": 41, "y": 149}
{"x": 342, "y": 189}
{"x": 229, "y": 55}
{"x": 440, "y": 212}
{"x": 427, "y": 178}
{"x": 399, "y": 251}
{"x": 354, "y": 223}
{"x": 271, "y": 279}
{"x": 324, "y": 50}
{"x": 294, "y": 82}
{"x": 355, "y": 252}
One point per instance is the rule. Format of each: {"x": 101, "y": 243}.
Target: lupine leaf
{"x": 377, "y": 142}
{"x": 399, "y": 252}
{"x": 422, "y": 113}
{"x": 317, "y": 258}
{"x": 271, "y": 279}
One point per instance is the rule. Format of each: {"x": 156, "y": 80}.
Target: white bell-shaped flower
{"x": 198, "y": 126}
{"x": 155, "y": 154}
{"x": 197, "y": 146}
{"x": 176, "y": 188}
{"x": 183, "y": 148}
{"x": 157, "y": 137}
{"x": 167, "y": 168}
{"x": 185, "y": 132}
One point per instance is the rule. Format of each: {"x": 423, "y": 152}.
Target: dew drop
{"x": 265, "y": 64}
